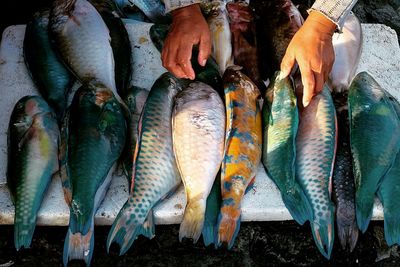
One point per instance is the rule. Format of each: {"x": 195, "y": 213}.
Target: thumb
{"x": 287, "y": 64}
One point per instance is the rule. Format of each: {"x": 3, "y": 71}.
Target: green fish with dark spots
{"x": 33, "y": 136}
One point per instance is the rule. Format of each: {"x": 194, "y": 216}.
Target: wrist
{"x": 320, "y": 23}
{"x": 186, "y": 12}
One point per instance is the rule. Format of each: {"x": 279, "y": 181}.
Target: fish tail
{"x": 125, "y": 231}
{"x": 208, "y": 233}
{"x": 364, "y": 212}
{"x": 212, "y": 212}
{"x": 193, "y": 220}
{"x": 323, "y": 233}
{"x": 298, "y": 205}
{"x": 228, "y": 229}
{"x": 392, "y": 227}
{"x": 23, "y": 234}
{"x": 347, "y": 233}
{"x": 78, "y": 246}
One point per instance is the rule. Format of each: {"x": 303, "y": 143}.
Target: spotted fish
{"x": 93, "y": 136}
{"x": 242, "y": 155}
{"x": 316, "y": 147}
{"x": 198, "y": 131}
{"x": 155, "y": 172}
{"x": 281, "y": 120}
{"x": 374, "y": 139}
{"x": 32, "y": 160}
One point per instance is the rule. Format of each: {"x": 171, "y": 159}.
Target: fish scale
{"x": 315, "y": 147}
{"x": 155, "y": 172}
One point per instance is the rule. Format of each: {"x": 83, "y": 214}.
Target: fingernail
{"x": 203, "y": 63}
{"x": 306, "y": 102}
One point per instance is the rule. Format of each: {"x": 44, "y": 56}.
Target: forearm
{"x": 336, "y": 11}
{"x": 171, "y": 5}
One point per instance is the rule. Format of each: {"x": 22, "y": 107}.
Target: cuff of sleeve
{"x": 336, "y": 11}
{"x": 171, "y": 5}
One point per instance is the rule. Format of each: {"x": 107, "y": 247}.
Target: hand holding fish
{"x": 188, "y": 28}
{"x": 312, "y": 49}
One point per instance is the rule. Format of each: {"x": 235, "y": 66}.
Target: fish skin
{"x": 347, "y": 46}
{"x": 218, "y": 23}
{"x": 94, "y": 136}
{"x": 244, "y": 40}
{"x": 374, "y": 139}
{"x": 243, "y": 147}
{"x": 213, "y": 206}
{"x": 32, "y": 160}
{"x": 316, "y": 147}
{"x": 281, "y": 120}
{"x": 153, "y": 9}
{"x": 343, "y": 179}
{"x": 155, "y": 171}
{"x": 51, "y": 77}
{"x": 198, "y": 133}
{"x": 120, "y": 43}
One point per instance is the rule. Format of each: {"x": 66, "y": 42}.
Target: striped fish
{"x": 155, "y": 172}
{"x": 32, "y": 160}
{"x": 316, "y": 147}
{"x": 242, "y": 155}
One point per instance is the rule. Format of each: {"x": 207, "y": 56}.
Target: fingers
{"x": 183, "y": 57}
{"x": 169, "y": 61}
{"x": 287, "y": 63}
{"x": 204, "y": 48}
{"x": 308, "y": 80}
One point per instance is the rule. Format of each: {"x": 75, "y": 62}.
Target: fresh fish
{"x": 213, "y": 206}
{"x": 135, "y": 100}
{"x": 50, "y": 75}
{"x": 208, "y": 74}
{"x": 278, "y": 22}
{"x": 244, "y": 42}
{"x": 93, "y": 137}
{"x": 347, "y": 46}
{"x": 155, "y": 171}
{"x": 374, "y": 140}
{"x": 32, "y": 160}
{"x": 242, "y": 154}
{"x": 83, "y": 40}
{"x": 220, "y": 35}
{"x": 153, "y": 9}
{"x": 316, "y": 147}
{"x": 198, "y": 131}
{"x": 343, "y": 179}
{"x": 120, "y": 43}
{"x": 281, "y": 120}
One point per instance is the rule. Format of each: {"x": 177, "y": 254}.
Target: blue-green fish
{"x": 153, "y": 9}
{"x": 316, "y": 147}
{"x": 32, "y": 160}
{"x": 155, "y": 171}
{"x": 374, "y": 139}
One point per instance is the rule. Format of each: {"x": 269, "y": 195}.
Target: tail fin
{"x": 392, "y": 226}
{"x": 193, "y": 220}
{"x": 78, "y": 246}
{"x": 212, "y": 211}
{"x": 228, "y": 229}
{"x": 298, "y": 205}
{"x": 323, "y": 233}
{"x": 23, "y": 234}
{"x": 124, "y": 231}
{"x": 364, "y": 212}
{"x": 347, "y": 232}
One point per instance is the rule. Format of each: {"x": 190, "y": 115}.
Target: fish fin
{"x": 63, "y": 159}
{"x": 250, "y": 186}
{"x": 193, "y": 220}
{"x": 23, "y": 234}
{"x": 124, "y": 232}
{"x": 208, "y": 232}
{"x": 228, "y": 229}
{"x": 392, "y": 226}
{"x": 212, "y": 211}
{"x": 347, "y": 233}
{"x": 323, "y": 233}
{"x": 364, "y": 212}
{"x": 78, "y": 246}
{"x": 298, "y": 204}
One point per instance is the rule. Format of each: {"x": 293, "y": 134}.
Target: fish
{"x": 209, "y": 74}
{"x": 155, "y": 172}
{"x": 135, "y": 100}
{"x": 218, "y": 23}
{"x": 53, "y": 80}
{"x": 120, "y": 43}
{"x": 83, "y": 41}
{"x": 280, "y": 125}
{"x": 343, "y": 179}
{"x": 347, "y": 46}
{"x": 198, "y": 133}
{"x": 244, "y": 40}
{"x": 93, "y": 137}
{"x": 213, "y": 206}
{"x": 32, "y": 161}
{"x": 243, "y": 147}
{"x": 278, "y": 22}
{"x": 153, "y": 9}
{"x": 316, "y": 148}
{"x": 374, "y": 141}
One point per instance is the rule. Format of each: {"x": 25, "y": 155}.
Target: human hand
{"x": 312, "y": 49}
{"x": 188, "y": 28}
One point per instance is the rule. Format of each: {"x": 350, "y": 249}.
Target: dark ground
{"x": 258, "y": 244}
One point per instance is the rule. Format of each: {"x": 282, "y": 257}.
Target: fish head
{"x": 234, "y": 78}
{"x": 365, "y": 89}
